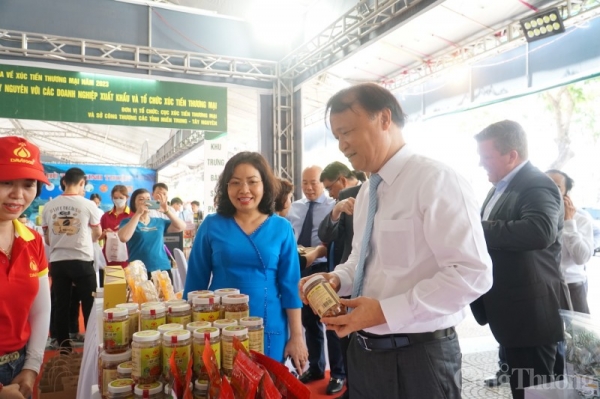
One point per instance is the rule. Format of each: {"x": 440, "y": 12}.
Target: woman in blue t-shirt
{"x": 144, "y": 234}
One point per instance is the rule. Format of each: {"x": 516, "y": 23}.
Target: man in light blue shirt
{"x": 320, "y": 205}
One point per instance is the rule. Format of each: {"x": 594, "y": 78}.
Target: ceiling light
{"x": 542, "y": 24}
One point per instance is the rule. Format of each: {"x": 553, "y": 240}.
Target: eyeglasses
{"x": 328, "y": 188}
{"x": 237, "y": 184}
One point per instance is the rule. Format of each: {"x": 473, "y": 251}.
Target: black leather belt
{"x": 393, "y": 341}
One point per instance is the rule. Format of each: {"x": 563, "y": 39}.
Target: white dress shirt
{"x": 577, "y": 246}
{"x": 321, "y": 209}
{"x": 428, "y": 257}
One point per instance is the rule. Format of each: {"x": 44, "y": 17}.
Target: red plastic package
{"x": 212, "y": 368}
{"x": 289, "y": 387}
{"x": 226, "y": 390}
{"x": 245, "y": 377}
{"x": 267, "y": 388}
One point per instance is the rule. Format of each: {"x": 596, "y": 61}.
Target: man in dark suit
{"x": 337, "y": 228}
{"x": 522, "y": 221}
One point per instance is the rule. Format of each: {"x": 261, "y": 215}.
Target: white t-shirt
{"x": 68, "y": 219}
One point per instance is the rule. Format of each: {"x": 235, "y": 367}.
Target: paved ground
{"x": 480, "y": 353}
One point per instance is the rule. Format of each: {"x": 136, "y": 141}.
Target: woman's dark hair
{"x": 270, "y": 183}
{"x": 134, "y": 195}
{"x": 94, "y": 196}
{"x": 121, "y": 189}
{"x": 285, "y": 188}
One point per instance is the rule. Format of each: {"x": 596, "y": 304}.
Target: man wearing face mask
{"x": 110, "y": 220}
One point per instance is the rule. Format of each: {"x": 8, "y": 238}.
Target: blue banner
{"x": 100, "y": 180}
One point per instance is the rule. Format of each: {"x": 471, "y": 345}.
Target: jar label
{"x": 152, "y": 324}
{"x": 134, "y": 323}
{"x": 322, "y": 298}
{"x": 207, "y": 316}
{"x": 108, "y": 376}
{"x": 199, "y": 363}
{"x": 116, "y": 334}
{"x": 257, "y": 341}
{"x": 182, "y": 358}
{"x": 183, "y": 320}
{"x": 229, "y": 353}
{"x": 237, "y": 315}
{"x": 146, "y": 362}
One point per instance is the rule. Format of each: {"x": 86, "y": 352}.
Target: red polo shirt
{"x": 19, "y": 282}
{"x": 110, "y": 220}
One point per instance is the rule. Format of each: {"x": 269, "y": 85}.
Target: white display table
{"x": 88, "y": 374}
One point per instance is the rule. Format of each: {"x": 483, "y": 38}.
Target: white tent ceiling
{"x": 449, "y": 24}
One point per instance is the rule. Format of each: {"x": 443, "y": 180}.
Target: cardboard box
{"x": 115, "y": 286}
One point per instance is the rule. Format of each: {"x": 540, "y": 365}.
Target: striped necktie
{"x": 359, "y": 275}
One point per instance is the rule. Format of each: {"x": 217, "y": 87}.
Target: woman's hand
{"x": 25, "y": 380}
{"x": 296, "y": 349}
{"x": 162, "y": 198}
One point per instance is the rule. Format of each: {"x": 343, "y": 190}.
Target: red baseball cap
{"x": 20, "y": 159}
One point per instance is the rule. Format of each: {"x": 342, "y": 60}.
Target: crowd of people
{"x": 408, "y": 249}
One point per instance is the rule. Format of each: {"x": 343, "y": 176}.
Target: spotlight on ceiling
{"x": 542, "y": 24}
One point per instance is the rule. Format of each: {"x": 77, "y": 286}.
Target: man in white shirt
{"x": 577, "y": 244}
{"x": 183, "y": 214}
{"x": 424, "y": 262}
{"x": 71, "y": 224}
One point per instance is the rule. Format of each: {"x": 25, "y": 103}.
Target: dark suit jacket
{"x": 523, "y": 235}
{"x": 340, "y": 233}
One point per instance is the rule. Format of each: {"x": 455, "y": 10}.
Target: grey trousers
{"x": 425, "y": 370}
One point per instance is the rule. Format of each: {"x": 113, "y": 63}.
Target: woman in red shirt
{"x": 110, "y": 220}
{"x": 25, "y": 293}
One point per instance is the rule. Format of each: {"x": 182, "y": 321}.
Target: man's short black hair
{"x": 73, "y": 177}
{"x": 371, "y": 97}
{"x": 569, "y": 182}
{"x": 196, "y": 203}
{"x": 334, "y": 170}
{"x": 160, "y": 185}
{"x": 176, "y": 200}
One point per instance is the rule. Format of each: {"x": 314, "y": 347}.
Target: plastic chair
{"x": 181, "y": 264}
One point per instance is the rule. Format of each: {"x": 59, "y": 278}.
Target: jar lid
{"x": 147, "y": 304}
{"x": 125, "y": 367}
{"x": 235, "y": 331}
{"x": 115, "y": 312}
{"x": 226, "y": 291}
{"x": 235, "y": 298}
{"x": 201, "y": 384}
{"x": 192, "y": 294}
{"x": 116, "y": 357}
{"x": 131, "y": 306}
{"x": 194, "y": 325}
{"x": 176, "y": 336}
{"x": 169, "y": 327}
{"x": 206, "y": 299}
{"x": 180, "y": 307}
{"x": 148, "y": 389}
{"x": 175, "y": 302}
{"x": 251, "y": 321}
{"x": 201, "y": 332}
{"x": 154, "y": 310}
{"x": 122, "y": 385}
{"x": 221, "y": 323}
{"x": 311, "y": 280}
{"x": 146, "y": 336}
